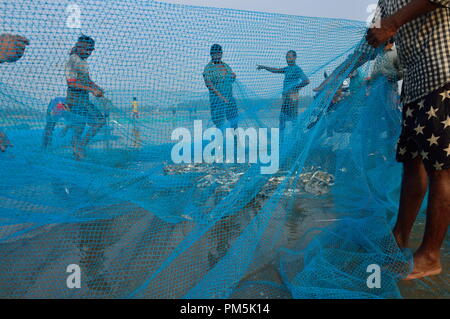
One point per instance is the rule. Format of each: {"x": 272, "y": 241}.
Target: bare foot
{"x": 425, "y": 265}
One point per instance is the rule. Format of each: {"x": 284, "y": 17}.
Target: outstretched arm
{"x": 267, "y": 68}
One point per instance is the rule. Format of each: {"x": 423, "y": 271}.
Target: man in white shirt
{"x": 79, "y": 85}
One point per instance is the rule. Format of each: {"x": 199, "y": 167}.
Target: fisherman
{"x": 294, "y": 80}
{"x": 219, "y": 79}
{"x": 79, "y": 85}
{"x": 421, "y": 32}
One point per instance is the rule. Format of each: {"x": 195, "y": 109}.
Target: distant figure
{"x": 56, "y": 110}
{"x": 135, "y": 108}
{"x": 337, "y": 98}
{"x": 79, "y": 85}
{"x": 12, "y": 48}
{"x": 219, "y": 78}
{"x": 294, "y": 80}
{"x": 388, "y": 65}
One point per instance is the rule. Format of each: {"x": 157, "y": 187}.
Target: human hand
{"x": 12, "y": 47}
{"x": 377, "y": 36}
{"x": 97, "y": 92}
{"x": 319, "y": 88}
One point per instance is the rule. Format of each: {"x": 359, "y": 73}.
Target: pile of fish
{"x": 317, "y": 182}
{"x": 223, "y": 177}
{"x": 314, "y": 180}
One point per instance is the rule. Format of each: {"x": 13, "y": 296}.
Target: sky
{"x": 343, "y": 9}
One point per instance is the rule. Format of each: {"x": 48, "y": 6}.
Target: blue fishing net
{"x": 140, "y": 225}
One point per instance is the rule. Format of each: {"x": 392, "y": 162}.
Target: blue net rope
{"x": 140, "y": 225}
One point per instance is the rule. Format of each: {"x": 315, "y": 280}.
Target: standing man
{"x": 219, "y": 79}
{"x": 294, "y": 80}
{"x": 79, "y": 85}
{"x": 12, "y": 48}
{"x": 421, "y": 31}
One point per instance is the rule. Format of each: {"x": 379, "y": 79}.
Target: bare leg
{"x": 48, "y": 133}
{"x": 427, "y": 258}
{"x": 414, "y": 189}
{"x": 76, "y": 140}
{"x": 93, "y": 130}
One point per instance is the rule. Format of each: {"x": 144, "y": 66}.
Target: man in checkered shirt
{"x": 421, "y": 31}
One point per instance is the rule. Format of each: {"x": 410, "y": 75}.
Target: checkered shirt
{"x": 423, "y": 47}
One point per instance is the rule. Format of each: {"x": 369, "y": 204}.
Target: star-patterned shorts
{"x": 426, "y": 130}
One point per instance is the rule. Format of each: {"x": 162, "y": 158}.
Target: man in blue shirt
{"x": 294, "y": 80}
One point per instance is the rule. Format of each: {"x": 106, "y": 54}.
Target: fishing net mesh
{"x": 141, "y": 226}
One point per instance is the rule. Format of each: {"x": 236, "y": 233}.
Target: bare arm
{"x": 305, "y": 82}
{"x": 88, "y": 85}
{"x": 267, "y": 68}
{"x": 343, "y": 67}
{"x": 213, "y": 89}
{"x": 389, "y": 26}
